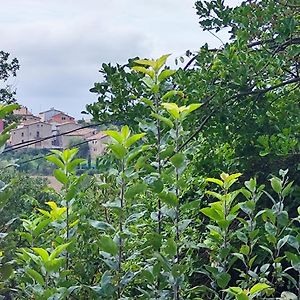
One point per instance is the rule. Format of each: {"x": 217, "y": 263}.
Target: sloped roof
{"x": 51, "y": 109}
{"x": 62, "y": 113}
{"x": 22, "y": 111}
{"x": 82, "y": 132}
{"x": 31, "y": 122}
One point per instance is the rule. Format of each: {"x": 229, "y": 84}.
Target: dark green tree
{"x": 8, "y": 69}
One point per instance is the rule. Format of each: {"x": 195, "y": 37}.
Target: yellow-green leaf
{"x": 115, "y": 135}
{"x": 144, "y": 71}
{"x": 165, "y": 74}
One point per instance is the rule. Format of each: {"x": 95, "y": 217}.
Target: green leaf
{"x": 259, "y": 287}
{"x": 74, "y": 163}
{"x": 157, "y": 186}
{"x": 251, "y": 184}
{"x": 154, "y": 239}
{"x": 223, "y": 279}
{"x": 42, "y": 253}
{"x": 134, "y": 190}
{"x": 287, "y": 189}
{"x": 58, "y": 250}
{"x": 211, "y": 213}
{"x": 108, "y": 245}
{"x": 101, "y": 225}
{"x": 214, "y": 180}
{"x": 168, "y": 198}
{"x": 214, "y": 194}
{"x": 172, "y": 109}
{"x": 172, "y": 93}
{"x": 177, "y": 160}
{"x": 118, "y": 150}
{"x": 54, "y": 159}
{"x": 6, "y": 270}
{"x": 60, "y": 176}
{"x": 147, "y": 101}
{"x": 276, "y": 184}
{"x": 144, "y": 71}
{"x": 165, "y": 74}
{"x": 163, "y": 119}
{"x": 133, "y": 139}
{"x": 242, "y": 296}
{"x": 115, "y": 135}
{"x": 145, "y": 62}
{"x": 36, "y": 276}
{"x": 125, "y": 132}
{"x": 7, "y": 109}
{"x": 160, "y": 62}
{"x": 171, "y": 247}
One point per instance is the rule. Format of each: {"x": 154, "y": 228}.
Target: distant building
{"x": 48, "y": 114}
{"x": 61, "y": 118}
{"x": 81, "y": 134}
{"x": 22, "y": 111}
{"x": 97, "y": 144}
{"x": 30, "y": 131}
{"x": 25, "y": 115}
{"x": 58, "y": 129}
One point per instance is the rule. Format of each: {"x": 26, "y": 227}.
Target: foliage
{"x": 158, "y": 221}
{"x": 8, "y": 68}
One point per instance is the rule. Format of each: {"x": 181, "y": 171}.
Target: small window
{"x": 22, "y": 141}
{"x": 22, "y": 134}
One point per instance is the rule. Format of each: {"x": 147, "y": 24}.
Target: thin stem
{"x": 68, "y": 234}
{"x": 158, "y": 148}
{"x": 120, "y": 255}
{"x": 176, "y": 286}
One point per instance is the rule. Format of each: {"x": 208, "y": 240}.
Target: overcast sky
{"x": 61, "y": 44}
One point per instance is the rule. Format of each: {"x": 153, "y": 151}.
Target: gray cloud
{"x": 62, "y": 44}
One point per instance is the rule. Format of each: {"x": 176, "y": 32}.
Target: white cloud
{"x": 62, "y": 44}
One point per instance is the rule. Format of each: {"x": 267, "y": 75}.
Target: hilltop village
{"x": 54, "y": 129}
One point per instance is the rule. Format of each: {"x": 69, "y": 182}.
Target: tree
{"x": 8, "y": 68}
{"x": 253, "y": 75}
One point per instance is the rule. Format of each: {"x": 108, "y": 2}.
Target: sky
{"x": 61, "y": 44}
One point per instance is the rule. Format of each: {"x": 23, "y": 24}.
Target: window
{"x": 37, "y": 134}
{"x": 63, "y": 118}
{"x": 22, "y": 134}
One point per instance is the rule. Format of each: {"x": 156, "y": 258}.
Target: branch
{"x": 281, "y": 47}
{"x": 212, "y": 113}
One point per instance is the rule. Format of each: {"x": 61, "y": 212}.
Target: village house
{"x": 78, "y": 135}
{"x": 48, "y": 114}
{"x": 24, "y": 114}
{"x": 60, "y": 129}
{"x": 97, "y": 144}
{"x": 29, "y": 131}
{"x": 61, "y": 118}
{"x": 58, "y": 124}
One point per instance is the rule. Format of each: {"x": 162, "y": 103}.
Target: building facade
{"x": 30, "y": 131}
